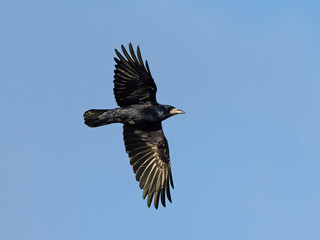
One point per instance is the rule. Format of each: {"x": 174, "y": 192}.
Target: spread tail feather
{"x": 98, "y": 117}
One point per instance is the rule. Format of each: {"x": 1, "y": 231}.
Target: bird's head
{"x": 167, "y": 111}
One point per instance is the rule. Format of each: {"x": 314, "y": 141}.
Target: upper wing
{"x": 133, "y": 82}
{"x": 149, "y": 155}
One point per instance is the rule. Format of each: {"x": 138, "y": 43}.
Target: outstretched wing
{"x": 148, "y": 150}
{"x": 133, "y": 82}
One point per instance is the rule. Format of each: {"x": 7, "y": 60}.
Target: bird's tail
{"x": 99, "y": 117}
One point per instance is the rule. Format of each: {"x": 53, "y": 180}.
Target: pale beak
{"x": 175, "y": 111}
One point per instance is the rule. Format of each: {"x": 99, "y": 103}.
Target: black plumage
{"x": 145, "y": 142}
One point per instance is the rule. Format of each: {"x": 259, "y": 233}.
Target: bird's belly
{"x": 141, "y": 121}
{"x": 139, "y": 116}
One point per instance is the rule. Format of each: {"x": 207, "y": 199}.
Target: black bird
{"x": 146, "y": 145}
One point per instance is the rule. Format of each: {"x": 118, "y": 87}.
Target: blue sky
{"x": 245, "y": 157}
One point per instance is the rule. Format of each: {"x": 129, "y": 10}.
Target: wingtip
{"x": 118, "y": 53}
{"x": 150, "y": 197}
{"x": 171, "y": 180}
{"x": 139, "y": 56}
{"x": 130, "y": 47}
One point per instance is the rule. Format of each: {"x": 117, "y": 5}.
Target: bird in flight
{"x": 141, "y": 115}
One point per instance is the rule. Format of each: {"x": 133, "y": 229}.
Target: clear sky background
{"x": 245, "y": 157}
